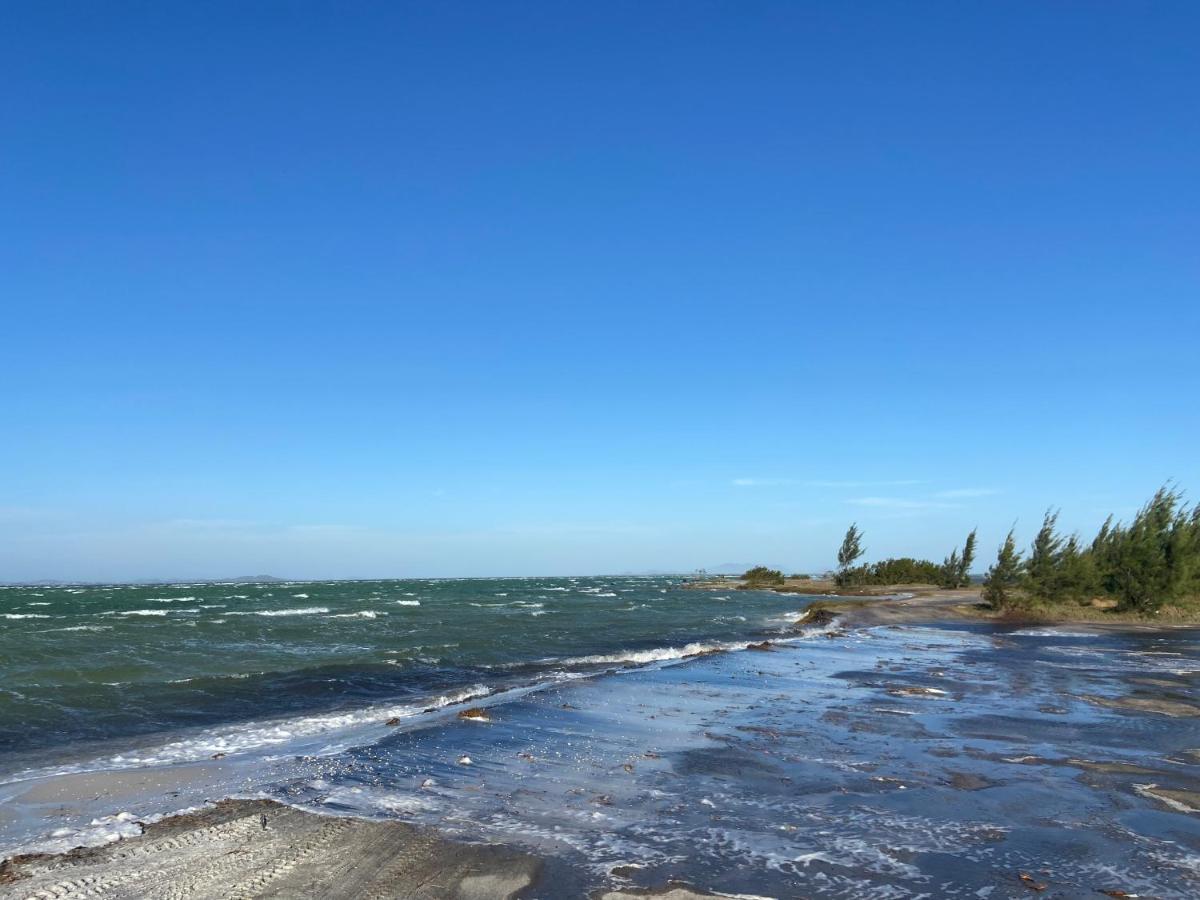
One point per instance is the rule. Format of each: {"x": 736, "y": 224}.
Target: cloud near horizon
{"x": 775, "y": 482}
{"x": 964, "y": 493}
{"x": 901, "y": 503}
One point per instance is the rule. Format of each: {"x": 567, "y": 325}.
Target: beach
{"x": 895, "y": 753}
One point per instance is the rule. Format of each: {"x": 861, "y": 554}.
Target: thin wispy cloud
{"x": 22, "y": 513}
{"x": 900, "y": 503}
{"x": 965, "y": 493}
{"x": 901, "y": 482}
{"x": 209, "y": 524}
{"x": 776, "y": 482}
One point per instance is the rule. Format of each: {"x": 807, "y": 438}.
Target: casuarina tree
{"x": 1045, "y": 558}
{"x": 956, "y": 570}
{"x": 850, "y": 550}
{"x": 967, "y": 559}
{"x": 1004, "y": 576}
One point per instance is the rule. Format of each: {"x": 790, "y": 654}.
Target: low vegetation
{"x": 953, "y": 572}
{"x": 904, "y": 570}
{"x": 761, "y": 576}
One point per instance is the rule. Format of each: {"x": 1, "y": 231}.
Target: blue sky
{"x": 374, "y": 289}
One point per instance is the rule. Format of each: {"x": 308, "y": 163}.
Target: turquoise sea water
{"x": 81, "y": 664}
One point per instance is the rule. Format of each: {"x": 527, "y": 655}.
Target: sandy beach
{"x": 245, "y": 848}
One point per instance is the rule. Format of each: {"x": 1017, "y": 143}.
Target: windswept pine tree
{"x": 1155, "y": 559}
{"x": 967, "y": 560}
{"x": 950, "y": 569}
{"x": 850, "y": 550}
{"x": 956, "y": 570}
{"x": 1000, "y": 584}
{"x": 1077, "y": 572}
{"x": 1043, "y": 569}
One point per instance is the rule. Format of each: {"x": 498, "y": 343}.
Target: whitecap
{"x": 658, "y": 654}
{"x": 1052, "y": 632}
{"x": 251, "y": 736}
{"x": 305, "y": 611}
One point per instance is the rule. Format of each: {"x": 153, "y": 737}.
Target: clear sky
{"x": 385, "y": 289}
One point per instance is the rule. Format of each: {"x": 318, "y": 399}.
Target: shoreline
{"x": 707, "y": 729}
{"x": 931, "y": 605}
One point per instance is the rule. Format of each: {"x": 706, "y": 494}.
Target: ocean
{"x": 208, "y": 668}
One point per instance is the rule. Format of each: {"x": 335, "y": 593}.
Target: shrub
{"x": 763, "y": 575}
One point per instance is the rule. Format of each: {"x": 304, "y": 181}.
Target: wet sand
{"x": 247, "y": 848}
{"x": 897, "y": 758}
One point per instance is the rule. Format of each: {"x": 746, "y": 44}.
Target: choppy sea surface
{"x": 886, "y": 762}
{"x": 94, "y": 663}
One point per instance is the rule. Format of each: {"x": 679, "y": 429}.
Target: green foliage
{"x": 1153, "y": 560}
{"x": 1077, "y": 577}
{"x": 949, "y": 573}
{"x": 967, "y": 560}
{"x": 999, "y": 587}
{"x": 761, "y": 575}
{"x": 956, "y": 570}
{"x": 850, "y": 550}
{"x": 1144, "y": 565}
{"x": 904, "y": 570}
{"x": 1045, "y": 560}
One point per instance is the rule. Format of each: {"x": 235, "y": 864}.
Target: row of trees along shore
{"x": 1142, "y": 566}
{"x": 1150, "y": 563}
{"x": 953, "y": 572}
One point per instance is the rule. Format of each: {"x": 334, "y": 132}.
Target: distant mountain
{"x": 242, "y": 579}
{"x": 730, "y": 568}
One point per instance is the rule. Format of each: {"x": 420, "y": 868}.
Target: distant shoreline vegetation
{"x": 761, "y": 576}
{"x": 1143, "y": 567}
{"x": 953, "y": 572}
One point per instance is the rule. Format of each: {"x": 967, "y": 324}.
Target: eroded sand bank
{"x": 258, "y": 848}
